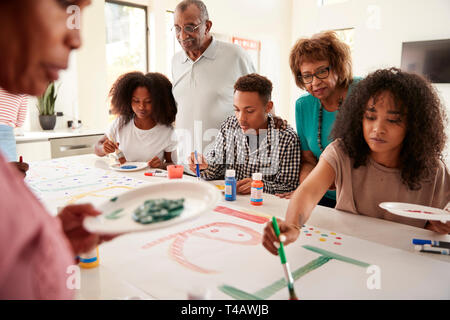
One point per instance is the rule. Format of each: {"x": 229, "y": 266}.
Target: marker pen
{"x": 156, "y": 174}
{"x": 439, "y": 244}
{"x": 429, "y": 249}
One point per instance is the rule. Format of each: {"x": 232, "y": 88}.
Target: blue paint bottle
{"x": 230, "y": 185}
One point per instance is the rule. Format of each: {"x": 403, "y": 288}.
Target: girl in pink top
{"x": 389, "y": 140}
{"x": 35, "y": 248}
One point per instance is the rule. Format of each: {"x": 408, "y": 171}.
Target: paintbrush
{"x": 287, "y": 271}
{"x": 119, "y": 154}
{"x": 197, "y": 166}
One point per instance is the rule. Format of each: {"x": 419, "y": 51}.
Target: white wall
{"x": 91, "y": 68}
{"x": 269, "y": 22}
{"x": 67, "y": 101}
{"x": 380, "y": 28}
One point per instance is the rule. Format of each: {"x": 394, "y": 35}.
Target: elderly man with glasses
{"x": 203, "y": 75}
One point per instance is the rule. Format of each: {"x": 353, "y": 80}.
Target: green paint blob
{"x": 156, "y": 210}
{"x": 114, "y": 215}
{"x": 336, "y": 256}
{"x": 238, "y": 294}
{"x": 268, "y": 291}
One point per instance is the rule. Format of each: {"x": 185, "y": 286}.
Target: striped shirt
{"x": 13, "y": 108}
{"x": 276, "y": 156}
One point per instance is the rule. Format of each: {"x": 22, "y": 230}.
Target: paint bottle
{"x": 89, "y": 260}
{"x": 256, "y": 198}
{"x": 230, "y": 185}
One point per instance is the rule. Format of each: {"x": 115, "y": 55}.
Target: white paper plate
{"x": 416, "y": 211}
{"x": 138, "y": 165}
{"x": 200, "y": 197}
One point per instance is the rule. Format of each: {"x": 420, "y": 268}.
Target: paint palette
{"x": 129, "y": 166}
{"x": 200, "y": 198}
{"x": 415, "y": 211}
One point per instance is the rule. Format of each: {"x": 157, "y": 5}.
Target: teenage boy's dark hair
{"x": 255, "y": 83}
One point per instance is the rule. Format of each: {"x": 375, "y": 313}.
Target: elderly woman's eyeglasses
{"x": 187, "y": 29}
{"x": 319, "y": 74}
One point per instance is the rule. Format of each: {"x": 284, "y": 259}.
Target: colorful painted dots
{"x": 332, "y": 237}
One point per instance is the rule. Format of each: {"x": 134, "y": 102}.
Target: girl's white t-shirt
{"x": 143, "y": 145}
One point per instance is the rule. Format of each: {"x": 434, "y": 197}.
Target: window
{"x": 126, "y": 39}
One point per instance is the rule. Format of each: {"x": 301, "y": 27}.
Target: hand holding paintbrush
{"x": 21, "y": 166}
{"x": 110, "y": 146}
{"x": 287, "y": 271}
{"x": 273, "y": 241}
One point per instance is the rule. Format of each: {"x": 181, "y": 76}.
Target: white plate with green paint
{"x": 117, "y": 213}
{"x": 129, "y": 166}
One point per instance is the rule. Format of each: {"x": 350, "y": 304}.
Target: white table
{"x": 102, "y": 283}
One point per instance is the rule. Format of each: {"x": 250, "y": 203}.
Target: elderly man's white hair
{"x": 183, "y": 5}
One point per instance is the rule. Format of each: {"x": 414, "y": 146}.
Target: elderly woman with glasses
{"x": 322, "y": 66}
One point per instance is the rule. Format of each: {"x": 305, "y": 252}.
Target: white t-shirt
{"x": 143, "y": 145}
{"x": 203, "y": 90}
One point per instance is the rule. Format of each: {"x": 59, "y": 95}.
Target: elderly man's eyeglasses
{"x": 187, "y": 29}
{"x": 319, "y": 74}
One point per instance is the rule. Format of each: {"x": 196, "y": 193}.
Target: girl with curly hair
{"x": 143, "y": 129}
{"x": 389, "y": 140}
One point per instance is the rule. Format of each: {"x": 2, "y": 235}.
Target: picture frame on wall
{"x": 253, "y": 48}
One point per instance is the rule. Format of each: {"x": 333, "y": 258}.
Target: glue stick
{"x": 257, "y": 189}
{"x": 89, "y": 260}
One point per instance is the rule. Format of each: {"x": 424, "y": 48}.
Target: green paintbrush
{"x": 287, "y": 271}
